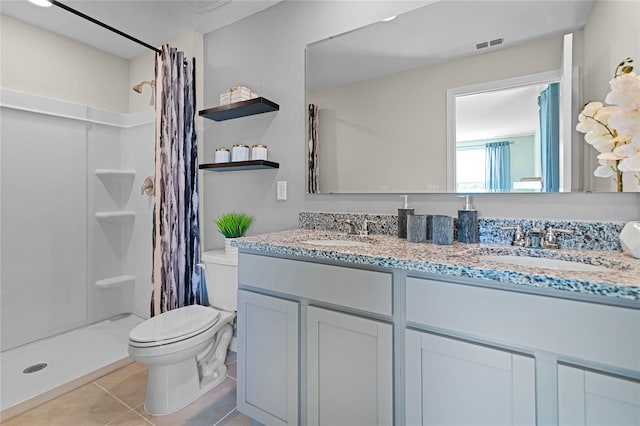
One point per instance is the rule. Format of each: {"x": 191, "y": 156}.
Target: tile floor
{"x": 117, "y": 399}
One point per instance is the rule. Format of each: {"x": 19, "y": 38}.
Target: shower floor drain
{"x": 35, "y": 367}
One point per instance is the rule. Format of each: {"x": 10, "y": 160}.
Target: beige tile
{"x": 87, "y": 406}
{"x": 236, "y": 418}
{"x": 232, "y": 370}
{"x": 205, "y": 411}
{"x": 129, "y": 384}
{"x": 231, "y": 357}
{"x": 130, "y": 419}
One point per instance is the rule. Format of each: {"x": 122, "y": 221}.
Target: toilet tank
{"x": 221, "y": 274}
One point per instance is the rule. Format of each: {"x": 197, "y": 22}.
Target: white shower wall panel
{"x": 54, "y": 249}
{"x": 138, "y": 154}
{"x": 109, "y": 240}
{"x": 44, "y": 226}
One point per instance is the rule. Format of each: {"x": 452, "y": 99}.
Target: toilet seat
{"x": 174, "y": 326}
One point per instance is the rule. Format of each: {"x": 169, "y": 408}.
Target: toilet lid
{"x": 175, "y": 324}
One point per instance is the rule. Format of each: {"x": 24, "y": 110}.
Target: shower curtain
{"x": 176, "y": 278}
{"x": 549, "y": 104}
{"x": 498, "y": 166}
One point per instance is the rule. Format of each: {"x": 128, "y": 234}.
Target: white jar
{"x": 259, "y": 152}
{"x": 222, "y": 155}
{"x": 240, "y": 153}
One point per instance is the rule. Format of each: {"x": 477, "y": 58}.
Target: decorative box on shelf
{"x": 236, "y": 94}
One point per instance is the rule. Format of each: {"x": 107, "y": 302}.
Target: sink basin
{"x": 542, "y": 262}
{"x": 337, "y": 243}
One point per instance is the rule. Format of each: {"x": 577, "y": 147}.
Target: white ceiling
{"x": 496, "y": 114}
{"x": 154, "y": 22}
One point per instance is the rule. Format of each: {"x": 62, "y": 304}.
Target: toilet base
{"x": 174, "y": 386}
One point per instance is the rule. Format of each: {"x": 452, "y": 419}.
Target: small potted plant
{"x": 232, "y": 225}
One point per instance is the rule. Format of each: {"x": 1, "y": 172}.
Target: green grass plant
{"x": 233, "y": 225}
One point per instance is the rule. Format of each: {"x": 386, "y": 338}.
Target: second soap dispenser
{"x": 402, "y": 217}
{"x": 468, "y": 222}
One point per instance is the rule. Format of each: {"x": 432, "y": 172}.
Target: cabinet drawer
{"x": 599, "y": 333}
{"x": 349, "y": 287}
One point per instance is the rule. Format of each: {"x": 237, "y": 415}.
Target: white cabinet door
{"x": 590, "y": 398}
{"x": 451, "y": 382}
{"x": 350, "y": 370}
{"x": 268, "y": 358}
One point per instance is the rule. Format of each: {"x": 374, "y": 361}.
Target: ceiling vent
{"x": 490, "y": 43}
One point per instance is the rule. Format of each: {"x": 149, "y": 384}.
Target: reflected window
{"x": 470, "y": 170}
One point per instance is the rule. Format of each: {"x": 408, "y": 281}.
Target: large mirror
{"x": 455, "y": 96}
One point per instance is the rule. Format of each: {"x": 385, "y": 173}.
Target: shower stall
{"x": 75, "y": 258}
{"x": 75, "y": 227}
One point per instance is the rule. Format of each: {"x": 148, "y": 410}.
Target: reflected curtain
{"x": 498, "y": 166}
{"x": 312, "y": 160}
{"x": 176, "y": 278}
{"x": 549, "y": 106}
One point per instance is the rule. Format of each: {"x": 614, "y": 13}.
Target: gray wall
{"x": 266, "y": 53}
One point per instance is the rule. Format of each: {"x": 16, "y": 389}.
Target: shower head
{"x": 138, "y": 87}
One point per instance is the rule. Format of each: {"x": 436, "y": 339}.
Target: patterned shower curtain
{"x": 176, "y": 278}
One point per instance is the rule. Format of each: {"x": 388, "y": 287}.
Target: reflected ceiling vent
{"x": 203, "y": 6}
{"x": 490, "y": 43}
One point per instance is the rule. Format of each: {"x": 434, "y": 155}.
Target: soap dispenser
{"x": 402, "y": 217}
{"x": 467, "y": 222}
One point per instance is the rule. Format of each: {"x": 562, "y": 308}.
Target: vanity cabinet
{"x": 268, "y": 358}
{"x": 349, "y": 370}
{"x": 455, "y": 382}
{"x": 589, "y": 398}
{"x": 546, "y": 360}
{"x": 343, "y": 360}
{"x": 335, "y": 343}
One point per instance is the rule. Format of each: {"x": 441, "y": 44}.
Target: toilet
{"x": 185, "y": 348}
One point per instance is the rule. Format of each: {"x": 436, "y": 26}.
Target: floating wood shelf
{"x": 240, "y": 165}
{"x": 239, "y": 109}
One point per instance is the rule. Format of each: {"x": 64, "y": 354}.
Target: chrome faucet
{"x": 352, "y": 227}
{"x": 518, "y": 236}
{"x": 365, "y": 227}
{"x": 550, "y": 239}
{"x": 536, "y": 238}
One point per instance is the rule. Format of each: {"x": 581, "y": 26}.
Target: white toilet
{"x": 185, "y": 348}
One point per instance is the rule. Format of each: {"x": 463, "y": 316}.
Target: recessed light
{"x": 41, "y": 3}
{"x": 390, "y": 18}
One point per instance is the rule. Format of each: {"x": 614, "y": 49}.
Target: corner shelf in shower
{"x": 240, "y": 109}
{"x": 115, "y": 174}
{"x": 116, "y": 282}
{"x": 123, "y": 216}
{"x": 240, "y": 165}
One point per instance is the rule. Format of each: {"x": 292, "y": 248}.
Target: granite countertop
{"x": 621, "y": 277}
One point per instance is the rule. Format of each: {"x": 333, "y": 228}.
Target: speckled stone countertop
{"x": 621, "y": 278}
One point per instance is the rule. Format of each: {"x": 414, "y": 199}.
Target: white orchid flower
{"x": 626, "y": 122}
{"x": 603, "y": 172}
{"x": 591, "y": 108}
{"x": 603, "y": 114}
{"x": 631, "y": 153}
{"x": 625, "y": 91}
{"x": 602, "y": 142}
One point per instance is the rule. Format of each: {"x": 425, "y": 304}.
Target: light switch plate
{"x": 281, "y": 190}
